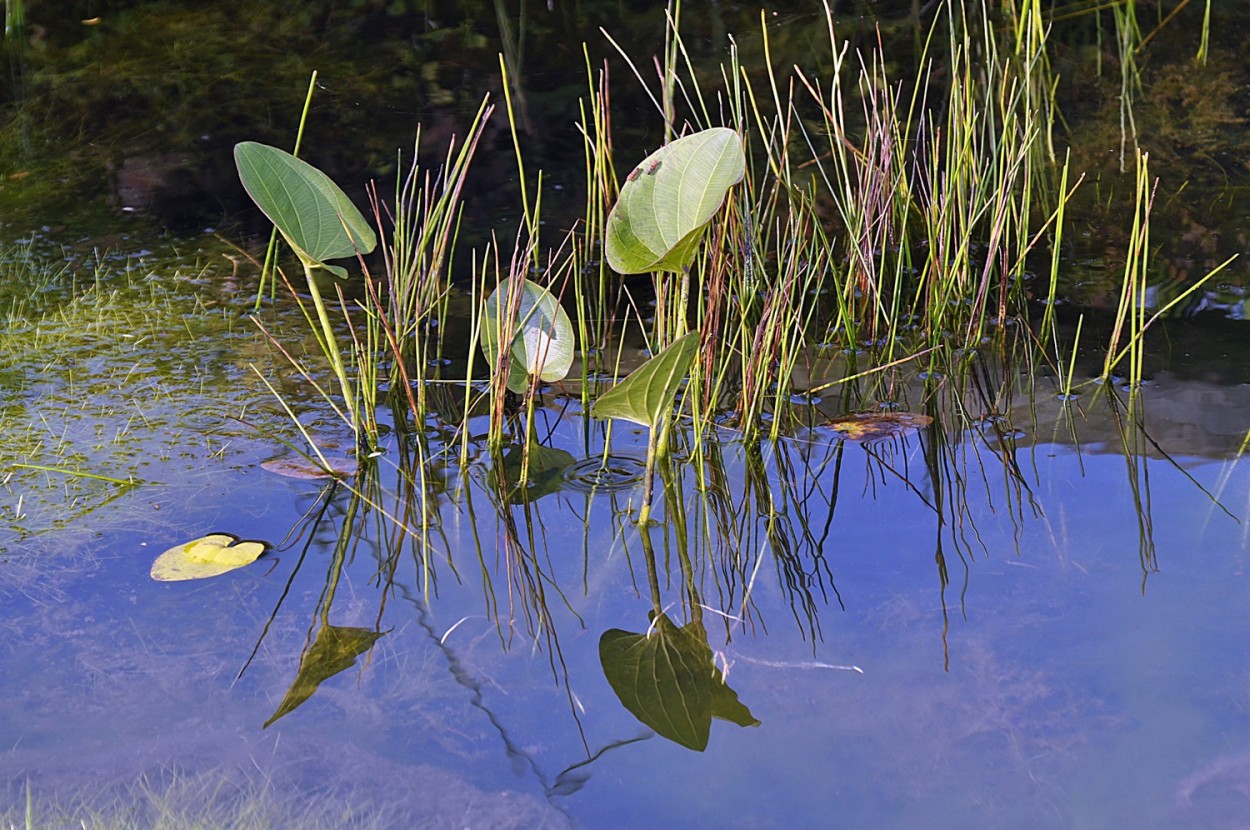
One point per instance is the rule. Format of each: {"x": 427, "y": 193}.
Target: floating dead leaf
{"x": 207, "y": 556}
{"x": 302, "y": 468}
{"x": 873, "y": 426}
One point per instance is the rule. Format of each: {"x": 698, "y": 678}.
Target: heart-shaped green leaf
{"x": 648, "y": 392}
{"x": 207, "y": 556}
{"x": 315, "y": 217}
{"x": 667, "y": 679}
{"x": 668, "y": 200}
{"x": 539, "y": 332}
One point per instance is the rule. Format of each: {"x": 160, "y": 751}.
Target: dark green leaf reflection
{"x": 538, "y": 475}
{"x": 667, "y": 679}
{"x": 334, "y": 649}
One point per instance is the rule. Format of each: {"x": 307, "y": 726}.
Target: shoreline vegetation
{"x": 883, "y": 228}
{"x": 893, "y": 246}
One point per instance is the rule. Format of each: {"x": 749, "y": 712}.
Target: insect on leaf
{"x": 669, "y": 199}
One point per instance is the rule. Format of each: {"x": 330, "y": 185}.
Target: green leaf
{"x": 207, "y": 556}
{"x": 540, "y": 332}
{"x": 315, "y": 217}
{"x": 668, "y": 200}
{"x": 334, "y": 649}
{"x": 545, "y": 471}
{"x": 667, "y": 679}
{"x": 648, "y": 392}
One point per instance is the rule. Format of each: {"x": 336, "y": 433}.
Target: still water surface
{"x": 1085, "y": 666}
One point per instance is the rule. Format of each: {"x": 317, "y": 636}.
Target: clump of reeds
{"x": 887, "y": 221}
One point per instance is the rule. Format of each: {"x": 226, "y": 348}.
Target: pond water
{"x": 1083, "y": 665}
{"x": 1038, "y": 620}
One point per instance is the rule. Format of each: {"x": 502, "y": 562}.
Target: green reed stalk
{"x": 668, "y": 76}
{"x": 1131, "y": 309}
{"x": 328, "y": 342}
{"x": 1133, "y": 306}
{"x": 530, "y": 214}
{"x": 1128, "y": 39}
{"x": 14, "y": 19}
{"x": 1076, "y": 347}
{"x": 478, "y": 292}
{"x": 271, "y": 249}
{"x": 1204, "y": 44}
{"x": 591, "y": 291}
{"x": 366, "y": 352}
{"x": 1056, "y": 243}
{"x": 426, "y": 225}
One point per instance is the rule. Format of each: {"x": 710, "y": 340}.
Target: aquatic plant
{"x": 646, "y": 397}
{"x": 319, "y": 223}
{"x": 180, "y": 799}
{"x": 856, "y": 247}
{"x": 526, "y": 335}
{"x": 424, "y": 224}
{"x": 893, "y": 238}
{"x": 669, "y": 199}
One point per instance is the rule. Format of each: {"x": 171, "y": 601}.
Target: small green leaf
{"x": 667, "y": 679}
{"x": 315, "y": 217}
{"x": 669, "y": 199}
{"x": 545, "y": 471}
{"x": 540, "y": 332}
{"x": 207, "y": 556}
{"x": 334, "y": 649}
{"x": 649, "y": 391}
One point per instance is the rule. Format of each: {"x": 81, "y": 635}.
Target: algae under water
{"x": 1045, "y": 600}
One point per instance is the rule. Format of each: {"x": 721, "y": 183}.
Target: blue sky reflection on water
{"x": 1072, "y": 698}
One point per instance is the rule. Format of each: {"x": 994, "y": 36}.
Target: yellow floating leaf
{"x": 207, "y": 556}
{"x": 872, "y": 426}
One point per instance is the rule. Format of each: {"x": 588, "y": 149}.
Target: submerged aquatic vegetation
{"x": 178, "y": 800}
{"x": 117, "y": 393}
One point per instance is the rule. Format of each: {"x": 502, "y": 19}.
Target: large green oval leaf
{"x": 541, "y": 333}
{"x": 648, "y": 392}
{"x": 667, "y": 201}
{"x": 315, "y": 217}
{"x": 207, "y": 556}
